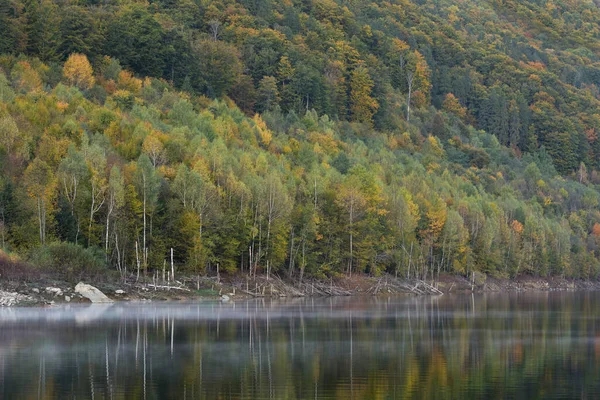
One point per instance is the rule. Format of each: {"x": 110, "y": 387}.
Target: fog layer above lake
{"x": 494, "y": 345}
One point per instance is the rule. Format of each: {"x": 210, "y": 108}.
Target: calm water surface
{"x": 544, "y": 345}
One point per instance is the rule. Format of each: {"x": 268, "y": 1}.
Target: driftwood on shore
{"x": 271, "y": 286}
{"x": 392, "y": 285}
{"x": 320, "y": 288}
{"x": 239, "y": 286}
{"x": 166, "y": 287}
{"x": 274, "y": 286}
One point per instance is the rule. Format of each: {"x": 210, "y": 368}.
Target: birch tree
{"x": 115, "y": 197}
{"x": 72, "y": 174}
{"x": 96, "y": 162}
{"x": 353, "y": 202}
{"x": 147, "y": 184}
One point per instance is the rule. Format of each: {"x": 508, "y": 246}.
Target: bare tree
{"x": 410, "y": 76}
{"x": 214, "y": 26}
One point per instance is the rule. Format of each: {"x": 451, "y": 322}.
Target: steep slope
{"x": 131, "y": 168}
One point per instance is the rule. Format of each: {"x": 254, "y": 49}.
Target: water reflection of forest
{"x": 497, "y": 345}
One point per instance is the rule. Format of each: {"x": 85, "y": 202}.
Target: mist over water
{"x": 535, "y": 345}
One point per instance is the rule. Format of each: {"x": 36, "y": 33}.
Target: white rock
{"x": 8, "y": 299}
{"x": 119, "y": 291}
{"x": 92, "y": 293}
{"x": 67, "y": 299}
{"x": 224, "y": 298}
{"x": 54, "y": 290}
{"x": 35, "y": 290}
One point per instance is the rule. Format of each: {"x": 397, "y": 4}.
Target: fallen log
{"x": 168, "y": 287}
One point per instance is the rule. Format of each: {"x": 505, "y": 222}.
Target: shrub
{"x": 72, "y": 260}
{"x": 12, "y": 268}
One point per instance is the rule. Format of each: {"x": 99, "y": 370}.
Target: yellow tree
{"x": 422, "y": 74}
{"x": 26, "y": 78}
{"x": 285, "y": 71}
{"x": 399, "y": 53}
{"x": 263, "y": 131}
{"x": 353, "y": 201}
{"x": 40, "y": 183}
{"x": 154, "y": 148}
{"x": 78, "y": 71}
{"x": 10, "y": 137}
{"x": 285, "y": 75}
{"x": 362, "y": 105}
{"x": 334, "y": 74}
{"x": 434, "y": 214}
{"x": 418, "y": 82}
{"x": 126, "y": 81}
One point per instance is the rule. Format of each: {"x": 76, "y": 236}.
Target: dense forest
{"x": 307, "y": 138}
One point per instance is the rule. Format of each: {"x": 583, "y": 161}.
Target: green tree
{"x": 217, "y": 67}
{"x": 7, "y": 94}
{"x": 43, "y": 34}
{"x": 12, "y": 27}
{"x": 135, "y": 38}
{"x": 268, "y": 94}
{"x": 197, "y": 196}
{"x": 10, "y": 137}
{"x": 81, "y": 31}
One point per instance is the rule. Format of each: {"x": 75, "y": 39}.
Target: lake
{"x": 528, "y": 345}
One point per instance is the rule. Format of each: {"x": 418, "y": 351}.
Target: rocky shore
{"x": 8, "y": 299}
{"x": 46, "y": 292}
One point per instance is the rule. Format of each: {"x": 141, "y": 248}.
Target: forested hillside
{"x": 309, "y": 137}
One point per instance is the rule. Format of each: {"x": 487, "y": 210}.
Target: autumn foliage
{"x": 314, "y": 137}
{"x": 78, "y": 71}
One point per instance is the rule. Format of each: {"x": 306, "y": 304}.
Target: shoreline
{"x": 45, "y": 292}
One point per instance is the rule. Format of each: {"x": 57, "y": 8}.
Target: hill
{"x": 278, "y": 136}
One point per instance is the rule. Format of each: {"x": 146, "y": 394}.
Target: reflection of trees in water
{"x": 450, "y": 347}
